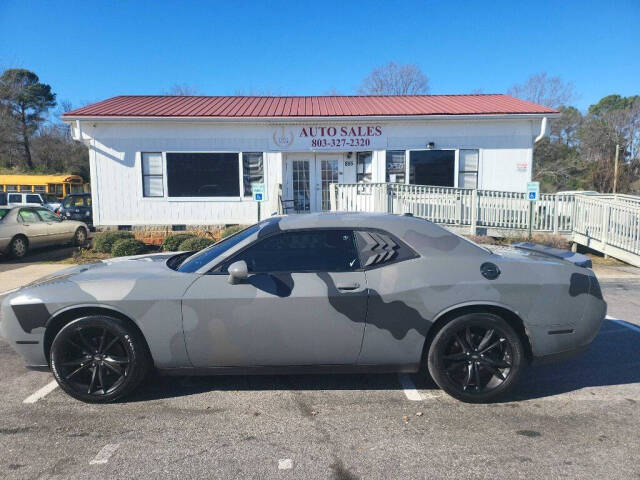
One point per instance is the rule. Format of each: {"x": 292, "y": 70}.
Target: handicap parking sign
{"x": 257, "y": 190}
{"x": 533, "y": 191}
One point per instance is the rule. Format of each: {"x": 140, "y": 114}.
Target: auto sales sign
{"x": 328, "y": 138}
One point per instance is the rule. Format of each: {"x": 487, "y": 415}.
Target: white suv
{"x": 17, "y": 199}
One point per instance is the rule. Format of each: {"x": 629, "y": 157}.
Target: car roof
{"x": 385, "y": 221}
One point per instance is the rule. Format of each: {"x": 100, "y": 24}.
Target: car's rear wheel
{"x": 99, "y": 359}
{"x": 476, "y": 357}
{"x": 80, "y": 237}
{"x": 18, "y": 247}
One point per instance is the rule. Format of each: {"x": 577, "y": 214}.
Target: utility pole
{"x": 615, "y": 170}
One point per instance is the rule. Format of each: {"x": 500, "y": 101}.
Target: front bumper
{"x": 28, "y": 343}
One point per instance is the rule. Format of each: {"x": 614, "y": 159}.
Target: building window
{"x": 363, "y": 167}
{"x": 252, "y": 170}
{"x": 152, "y": 182}
{"x": 203, "y": 174}
{"x": 432, "y": 167}
{"x": 468, "y": 168}
{"x": 396, "y": 166}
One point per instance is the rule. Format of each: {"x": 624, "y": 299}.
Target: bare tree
{"x": 257, "y": 92}
{"x": 332, "y": 92}
{"x": 182, "y": 90}
{"x": 395, "y": 79}
{"x": 544, "y": 90}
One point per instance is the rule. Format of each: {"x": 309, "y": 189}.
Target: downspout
{"x": 543, "y": 130}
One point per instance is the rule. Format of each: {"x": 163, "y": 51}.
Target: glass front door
{"x": 328, "y": 174}
{"x": 301, "y": 185}
{"x": 308, "y": 178}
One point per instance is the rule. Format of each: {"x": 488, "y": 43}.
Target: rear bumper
{"x": 556, "y": 342}
{"x": 557, "y": 357}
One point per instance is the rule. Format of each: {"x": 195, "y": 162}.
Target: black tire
{"x": 19, "y": 246}
{"x": 476, "y": 358}
{"x": 80, "y": 237}
{"x": 99, "y": 359}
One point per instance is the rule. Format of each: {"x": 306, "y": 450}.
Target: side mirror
{"x": 238, "y": 271}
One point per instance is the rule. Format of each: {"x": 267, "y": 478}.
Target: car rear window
{"x": 379, "y": 248}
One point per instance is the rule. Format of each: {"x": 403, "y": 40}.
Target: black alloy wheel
{"x": 98, "y": 359}
{"x": 476, "y": 357}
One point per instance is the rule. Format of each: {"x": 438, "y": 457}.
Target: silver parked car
{"x": 24, "y": 227}
{"x": 311, "y": 293}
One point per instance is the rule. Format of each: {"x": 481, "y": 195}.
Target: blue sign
{"x": 257, "y": 190}
{"x": 533, "y": 191}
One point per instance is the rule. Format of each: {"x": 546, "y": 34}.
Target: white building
{"x": 162, "y": 160}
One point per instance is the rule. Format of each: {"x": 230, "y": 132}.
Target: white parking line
{"x": 104, "y": 454}
{"x": 410, "y": 390}
{"x": 44, "y": 391}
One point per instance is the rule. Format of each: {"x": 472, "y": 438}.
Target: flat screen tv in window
{"x": 432, "y": 167}
{"x": 203, "y": 175}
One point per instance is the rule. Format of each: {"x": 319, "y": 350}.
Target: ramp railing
{"x": 608, "y": 223}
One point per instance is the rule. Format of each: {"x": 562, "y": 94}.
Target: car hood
{"x": 138, "y": 266}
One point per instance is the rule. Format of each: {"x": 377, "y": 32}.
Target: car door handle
{"x": 348, "y": 286}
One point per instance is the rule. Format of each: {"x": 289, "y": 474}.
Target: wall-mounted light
{"x": 431, "y": 145}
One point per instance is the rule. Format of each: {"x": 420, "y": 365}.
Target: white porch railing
{"x": 607, "y": 223}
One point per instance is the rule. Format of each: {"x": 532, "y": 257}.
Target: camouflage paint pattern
{"x": 200, "y": 320}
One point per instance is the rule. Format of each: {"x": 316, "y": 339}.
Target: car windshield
{"x": 201, "y": 258}
{"x": 73, "y": 201}
{"x": 3, "y": 212}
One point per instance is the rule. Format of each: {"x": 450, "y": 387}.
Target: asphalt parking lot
{"x": 576, "y": 419}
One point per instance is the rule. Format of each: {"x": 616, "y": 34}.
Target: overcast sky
{"x": 92, "y": 50}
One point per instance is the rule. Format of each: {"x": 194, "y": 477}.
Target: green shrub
{"x": 231, "y": 230}
{"x": 195, "y": 243}
{"x": 103, "y": 241}
{"x": 172, "y": 242}
{"x": 128, "y": 246}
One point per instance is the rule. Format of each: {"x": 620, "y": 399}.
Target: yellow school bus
{"x": 58, "y": 185}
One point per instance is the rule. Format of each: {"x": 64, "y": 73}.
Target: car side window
{"x": 47, "y": 215}
{"x": 379, "y": 248}
{"x": 15, "y": 198}
{"x": 33, "y": 199}
{"x": 28, "y": 216}
{"x": 302, "y": 251}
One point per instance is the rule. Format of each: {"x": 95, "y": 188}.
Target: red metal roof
{"x": 320, "y": 106}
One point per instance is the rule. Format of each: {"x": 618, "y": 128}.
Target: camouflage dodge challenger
{"x": 311, "y": 293}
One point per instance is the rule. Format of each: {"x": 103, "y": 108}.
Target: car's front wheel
{"x": 476, "y": 357}
{"x": 99, "y": 359}
{"x": 18, "y": 247}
